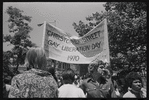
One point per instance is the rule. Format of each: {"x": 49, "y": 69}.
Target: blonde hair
{"x": 36, "y": 58}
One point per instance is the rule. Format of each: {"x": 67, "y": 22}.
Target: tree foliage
{"x": 18, "y": 36}
{"x": 127, "y": 33}
{"x": 6, "y": 63}
{"x": 82, "y": 28}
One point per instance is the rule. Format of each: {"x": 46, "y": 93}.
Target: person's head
{"x": 106, "y": 73}
{"x": 36, "y": 58}
{"x": 52, "y": 70}
{"x": 134, "y": 81}
{"x": 95, "y": 69}
{"x": 68, "y": 76}
{"x": 7, "y": 80}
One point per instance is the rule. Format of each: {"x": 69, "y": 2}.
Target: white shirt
{"x": 129, "y": 94}
{"x": 8, "y": 87}
{"x": 70, "y": 91}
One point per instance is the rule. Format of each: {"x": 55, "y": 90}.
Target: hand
{"x": 117, "y": 92}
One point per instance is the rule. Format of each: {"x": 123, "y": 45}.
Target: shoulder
{"x": 22, "y": 77}
{"x": 85, "y": 81}
{"x": 79, "y": 89}
{"x": 17, "y": 77}
{"x": 129, "y": 95}
{"x": 24, "y": 74}
{"x": 50, "y": 79}
{"x": 61, "y": 87}
{"x": 65, "y": 87}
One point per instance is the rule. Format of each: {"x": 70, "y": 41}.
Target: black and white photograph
{"x": 74, "y": 49}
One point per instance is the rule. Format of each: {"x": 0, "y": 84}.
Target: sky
{"x": 63, "y": 13}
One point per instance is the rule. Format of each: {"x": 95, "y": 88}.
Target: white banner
{"x": 93, "y": 45}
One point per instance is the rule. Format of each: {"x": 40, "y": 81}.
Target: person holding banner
{"x": 35, "y": 82}
{"x": 98, "y": 85}
{"x": 68, "y": 89}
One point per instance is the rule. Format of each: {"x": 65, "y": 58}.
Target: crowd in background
{"x": 99, "y": 82}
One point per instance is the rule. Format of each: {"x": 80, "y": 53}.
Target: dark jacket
{"x": 98, "y": 90}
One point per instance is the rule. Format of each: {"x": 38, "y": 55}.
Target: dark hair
{"x": 7, "y": 80}
{"x": 131, "y": 77}
{"x": 52, "y": 71}
{"x": 68, "y": 76}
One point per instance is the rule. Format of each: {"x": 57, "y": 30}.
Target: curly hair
{"x": 94, "y": 65}
{"x": 131, "y": 77}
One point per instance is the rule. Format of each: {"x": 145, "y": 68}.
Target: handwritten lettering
{"x": 73, "y": 58}
{"x": 74, "y": 49}
{"x": 96, "y": 45}
{"x": 70, "y": 49}
{"x": 83, "y": 48}
{"x": 52, "y": 43}
{"x": 88, "y": 38}
{"x": 57, "y": 36}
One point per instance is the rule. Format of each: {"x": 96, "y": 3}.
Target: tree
{"x": 19, "y": 29}
{"x": 127, "y": 33}
{"x": 6, "y": 64}
{"x": 82, "y": 28}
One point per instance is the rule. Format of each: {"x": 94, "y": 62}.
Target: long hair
{"x": 36, "y": 58}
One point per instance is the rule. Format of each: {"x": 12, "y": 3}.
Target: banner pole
{"x": 107, "y": 40}
{"x": 44, "y": 45}
{"x": 43, "y": 38}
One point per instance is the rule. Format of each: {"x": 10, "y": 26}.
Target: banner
{"x": 92, "y": 46}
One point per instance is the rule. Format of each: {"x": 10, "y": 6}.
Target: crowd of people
{"x": 40, "y": 82}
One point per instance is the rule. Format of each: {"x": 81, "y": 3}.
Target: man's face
{"x": 100, "y": 69}
{"x": 136, "y": 85}
{"x": 97, "y": 72}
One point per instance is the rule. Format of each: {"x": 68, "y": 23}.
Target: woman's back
{"x": 34, "y": 83}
